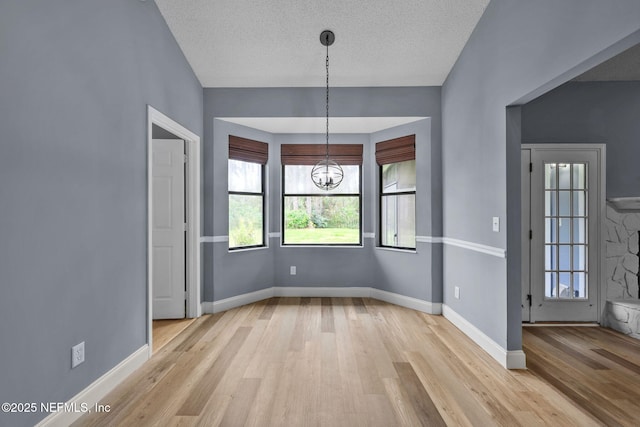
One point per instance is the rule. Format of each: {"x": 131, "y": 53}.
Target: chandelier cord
{"x": 327, "y": 67}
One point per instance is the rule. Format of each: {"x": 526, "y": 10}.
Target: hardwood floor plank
{"x": 241, "y": 402}
{"x": 617, "y": 359}
{"x": 268, "y": 310}
{"x": 422, "y": 404}
{"x": 196, "y": 402}
{"x": 359, "y": 306}
{"x": 327, "y": 316}
{"x": 544, "y": 334}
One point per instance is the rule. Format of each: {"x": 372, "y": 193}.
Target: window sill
{"x": 259, "y": 248}
{"x": 322, "y": 246}
{"x": 406, "y": 251}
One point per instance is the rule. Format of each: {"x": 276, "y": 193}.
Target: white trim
{"x": 352, "y": 292}
{"x": 206, "y": 239}
{"x": 428, "y": 239}
{"x": 239, "y": 300}
{"x": 274, "y": 234}
{"x": 368, "y": 235}
{"x": 514, "y": 359}
{"x": 408, "y": 302}
{"x": 97, "y": 390}
{"x": 489, "y": 250}
{"x": 317, "y": 292}
{"x": 192, "y": 205}
{"x": 392, "y": 249}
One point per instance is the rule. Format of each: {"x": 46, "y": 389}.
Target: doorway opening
{"x": 183, "y": 264}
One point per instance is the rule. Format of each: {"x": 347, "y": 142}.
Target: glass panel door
{"x": 565, "y": 245}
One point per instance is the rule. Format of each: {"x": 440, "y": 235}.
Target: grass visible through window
{"x": 322, "y": 236}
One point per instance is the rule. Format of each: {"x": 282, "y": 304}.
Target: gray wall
{"x": 238, "y": 272}
{"x": 519, "y": 50}
{"x": 416, "y": 275}
{"x": 593, "y": 112}
{"x": 75, "y": 79}
{"x": 234, "y": 274}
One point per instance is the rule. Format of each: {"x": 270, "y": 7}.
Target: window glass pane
{"x": 579, "y": 230}
{"x": 399, "y": 221}
{"x": 550, "y": 284}
{"x": 397, "y": 177}
{"x": 564, "y": 257}
{"x": 245, "y": 221}
{"x": 318, "y": 220}
{"x": 564, "y": 176}
{"x": 245, "y": 176}
{"x": 564, "y": 230}
{"x": 298, "y": 180}
{"x": 579, "y": 257}
{"x": 579, "y": 176}
{"x": 550, "y": 235}
{"x": 579, "y": 285}
{"x": 579, "y": 203}
{"x": 550, "y": 257}
{"x": 550, "y": 203}
{"x": 564, "y": 203}
{"x": 550, "y": 176}
{"x": 564, "y": 285}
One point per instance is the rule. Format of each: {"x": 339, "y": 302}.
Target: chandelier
{"x": 327, "y": 174}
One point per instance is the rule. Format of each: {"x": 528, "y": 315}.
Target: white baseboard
{"x": 408, "y": 302}
{"x": 514, "y": 359}
{"x": 98, "y": 389}
{"x": 317, "y": 292}
{"x": 237, "y": 301}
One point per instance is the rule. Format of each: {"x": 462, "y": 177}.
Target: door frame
{"x": 600, "y": 149}
{"x": 192, "y": 205}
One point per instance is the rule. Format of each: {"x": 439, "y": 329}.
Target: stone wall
{"x": 622, "y": 254}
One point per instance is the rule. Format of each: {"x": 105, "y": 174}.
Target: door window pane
{"x": 579, "y": 175}
{"x": 566, "y": 237}
{"x": 550, "y": 176}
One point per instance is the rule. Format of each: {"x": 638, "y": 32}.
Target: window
{"x": 246, "y": 192}
{"x": 312, "y": 216}
{"x": 397, "y": 220}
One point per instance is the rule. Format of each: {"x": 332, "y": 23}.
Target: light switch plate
{"x": 496, "y": 224}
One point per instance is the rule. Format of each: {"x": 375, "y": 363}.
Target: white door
{"x": 168, "y": 231}
{"x": 565, "y": 216}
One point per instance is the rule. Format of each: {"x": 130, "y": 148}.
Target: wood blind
{"x": 396, "y": 150}
{"x": 310, "y": 154}
{"x": 248, "y": 150}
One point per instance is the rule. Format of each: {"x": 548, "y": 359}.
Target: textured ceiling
{"x": 260, "y": 43}
{"x": 622, "y": 67}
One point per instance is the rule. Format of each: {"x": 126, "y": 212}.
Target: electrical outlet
{"x": 77, "y": 354}
{"x": 456, "y": 292}
{"x": 292, "y": 270}
{"x": 496, "y": 224}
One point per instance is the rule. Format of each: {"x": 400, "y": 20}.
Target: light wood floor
{"x": 597, "y": 368}
{"x": 166, "y": 330}
{"x": 330, "y": 362}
